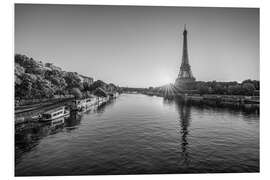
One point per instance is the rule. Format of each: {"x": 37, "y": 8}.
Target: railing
{"x": 24, "y": 102}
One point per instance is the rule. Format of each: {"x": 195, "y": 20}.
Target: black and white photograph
{"x": 132, "y": 90}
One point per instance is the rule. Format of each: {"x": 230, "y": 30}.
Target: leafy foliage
{"x": 73, "y": 80}
{"x": 33, "y": 79}
{"x": 76, "y": 92}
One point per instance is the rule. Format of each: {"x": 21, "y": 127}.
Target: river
{"x": 139, "y": 134}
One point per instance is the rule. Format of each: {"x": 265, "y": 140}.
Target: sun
{"x": 165, "y": 79}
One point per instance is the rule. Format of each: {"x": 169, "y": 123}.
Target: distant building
{"x": 185, "y": 77}
{"x": 85, "y": 79}
{"x": 52, "y": 67}
{"x": 40, "y": 64}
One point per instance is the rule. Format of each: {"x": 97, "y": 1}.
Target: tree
{"x": 26, "y": 85}
{"x": 234, "y": 89}
{"x": 42, "y": 88}
{"x": 73, "y": 80}
{"x": 30, "y": 65}
{"x": 98, "y": 84}
{"x": 255, "y": 83}
{"x": 86, "y": 86}
{"x": 247, "y": 81}
{"x": 76, "y": 92}
{"x": 203, "y": 89}
{"x": 248, "y": 88}
{"x": 111, "y": 87}
{"x": 19, "y": 70}
{"x": 219, "y": 89}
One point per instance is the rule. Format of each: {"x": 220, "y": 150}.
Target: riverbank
{"x": 32, "y": 112}
{"x": 215, "y": 100}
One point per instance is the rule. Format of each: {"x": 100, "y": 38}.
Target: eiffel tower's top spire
{"x": 185, "y": 61}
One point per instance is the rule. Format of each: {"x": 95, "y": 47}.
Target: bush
{"x": 76, "y": 92}
{"x": 248, "y": 88}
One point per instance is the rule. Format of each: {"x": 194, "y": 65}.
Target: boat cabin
{"x": 83, "y": 103}
{"x": 53, "y": 114}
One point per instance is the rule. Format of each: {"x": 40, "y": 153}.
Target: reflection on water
{"x": 103, "y": 107}
{"x": 29, "y": 136}
{"x": 73, "y": 121}
{"x": 137, "y": 134}
{"x": 184, "y": 119}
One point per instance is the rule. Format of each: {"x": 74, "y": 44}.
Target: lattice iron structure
{"x": 185, "y": 73}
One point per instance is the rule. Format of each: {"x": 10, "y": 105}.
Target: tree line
{"x": 247, "y": 88}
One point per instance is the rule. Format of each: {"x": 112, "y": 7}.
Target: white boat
{"x": 83, "y": 104}
{"x": 66, "y": 113}
{"x": 57, "y": 122}
{"x": 54, "y": 114}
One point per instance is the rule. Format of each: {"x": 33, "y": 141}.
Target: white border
{"x": 7, "y": 46}
{"x": 215, "y": 3}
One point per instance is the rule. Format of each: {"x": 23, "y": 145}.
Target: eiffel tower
{"x": 185, "y": 76}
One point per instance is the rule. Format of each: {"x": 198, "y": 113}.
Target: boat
{"x": 57, "y": 122}
{"x": 54, "y": 114}
{"x": 66, "y": 113}
{"x": 84, "y": 104}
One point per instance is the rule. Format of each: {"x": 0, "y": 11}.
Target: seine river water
{"x": 139, "y": 134}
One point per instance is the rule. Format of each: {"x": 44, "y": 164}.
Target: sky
{"x": 141, "y": 46}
